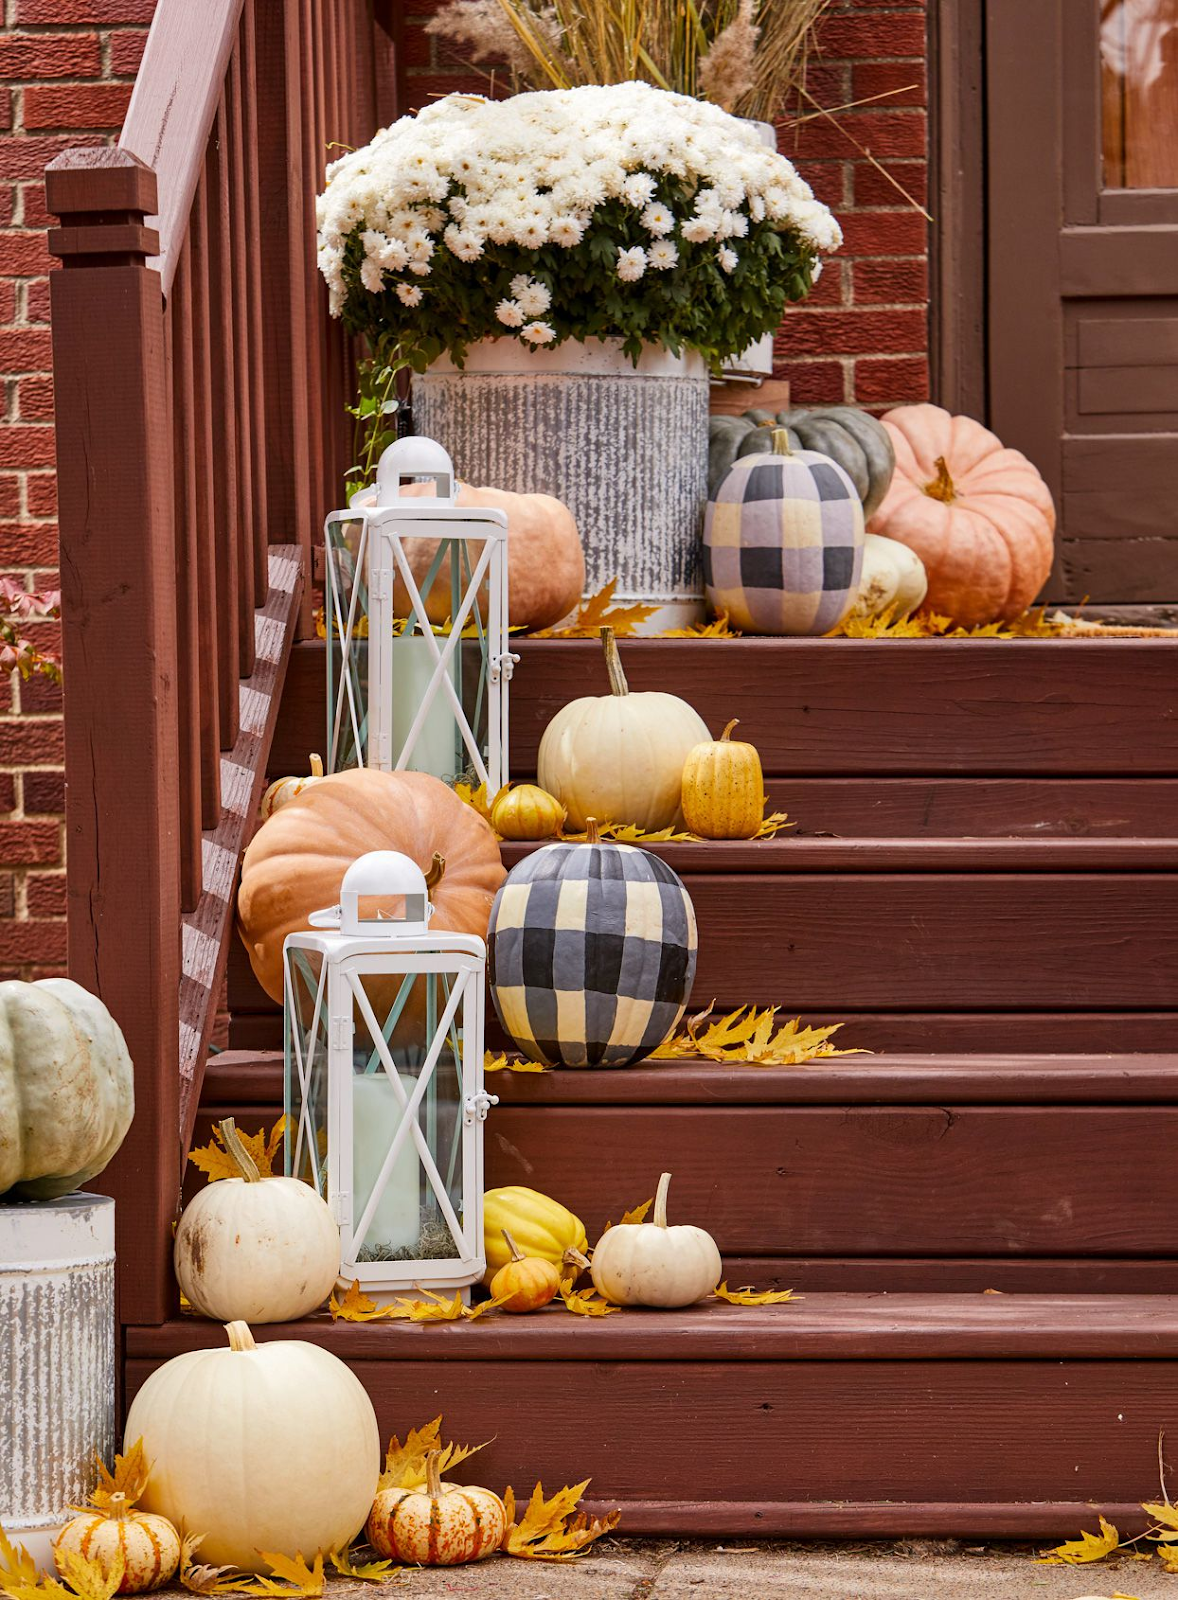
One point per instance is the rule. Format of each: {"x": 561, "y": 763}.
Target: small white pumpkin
{"x": 650, "y": 1264}
{"x": 260, "y": 1447}
{"x": 254, "y": 1249}
{"x": 619, "y": 757}
{"x": 283, "y": 790}
{"x": 893, "y": 577}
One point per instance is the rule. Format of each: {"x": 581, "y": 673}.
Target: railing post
{"x": 118, "y": 578}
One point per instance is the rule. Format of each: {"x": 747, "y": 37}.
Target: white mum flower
{"x": 533, "y": 298}
{"x": 657, "y": 219}
{"x": 538, "y": 333}
{"x": 509, "y": 314}
{"x": 699, "y": 229}
{"x": 371, "y": 276}
{"x": 639, "y": 188}
{"x": 394, "y": 256}
{"x": 631, "y": 263}
{"x": 408, "y": 294}
{"x": 662, "y": 255}
{"x": 462, "y": 243}
{"x": 532, "y": 230}
{"x": 727, "y": 258}
{"x": 734, "y": 225}
{"x": 566, "y": 230}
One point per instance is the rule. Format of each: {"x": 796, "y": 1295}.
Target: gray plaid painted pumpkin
{"x": 591, "y": 954}
{"x": 783, "y": 542}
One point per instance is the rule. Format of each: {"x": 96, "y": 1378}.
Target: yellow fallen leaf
{"x": 718, "y": 628}
{"x": 638, "y": 1214}
{"x": 202, "y": 1579}
{"x": 772, "y": 824}
{"x": 1088, "y": 1547}
{"x": 298, "y": 1581}
{"x": 552, "y": 1529}
{"x": 404, "y": 1466}
{"x": 748, "y": 1296}
{"x": 129, "y": 1478}
{"x": 90, "y": 1579}
{"x": 215, "y": 1161}
{"x": 477, "y": 798}
{"x": 16, "y": 1564}
{"x": 750, "y": 1037}
{"x": 367, "y": 1571}
{"x": 500, "y": 1063}
{"x": 598, "y": 611}
{"x": 584, "y": 1302}
{"x": 1165, "y": 1514}
{"x": 356, "y": 1306}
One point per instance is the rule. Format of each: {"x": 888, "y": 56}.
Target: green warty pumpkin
{"x": 851, "y": 437}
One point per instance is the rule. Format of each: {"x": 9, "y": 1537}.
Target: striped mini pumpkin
{"x": 783, "y": 542}
{"x": 148, "y": 1544}
{"x": 591, "y": 954}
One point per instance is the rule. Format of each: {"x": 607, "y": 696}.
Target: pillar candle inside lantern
{"x": 437, "y": 748}
{"x": 376, "y": 1116}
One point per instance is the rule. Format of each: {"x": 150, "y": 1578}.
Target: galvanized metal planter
{"x": 624, "y": 447}
{"x": 57, "y": 1359}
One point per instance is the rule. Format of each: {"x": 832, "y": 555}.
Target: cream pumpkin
{"x": 619, "y": 757}
{"x": 979, "y": 516}
{"x": 255, "y": 1249}
{"x": 651, "y": 1264}
{"x": 893, "y": 579}
{"x": 67, "y": 1089}
{"x": 147, "y": 1544}
{"x": 284, "y": 790}
{"x": 260, "y": 1447}
{"x": 441, "y": 1525}
{"x": 545, "y": 561}
{"x": 296, "y": 861}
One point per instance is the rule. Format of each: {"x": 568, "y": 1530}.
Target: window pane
{"x": 1139, "y": 83}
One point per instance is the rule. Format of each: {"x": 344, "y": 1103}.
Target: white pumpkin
{"x": 650, "y": 1264}
{"x": 260, "y": 1447}
{"x": 893, "y": 577}
{"x": 67, "y": 1090}
{"x": 619, "y": 757}
{"x": 254, "y": 1249}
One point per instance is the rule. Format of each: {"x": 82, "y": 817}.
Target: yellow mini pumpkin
{"x": 283, "y": 790}
{"x": 540, "y": 1227}
{"x": 528, "y": 1282}
{"x": 148, "y": 1544}
{"x": 527, "y": 812}
{"x": 724, "y": 788}
{"x": 442, "y": 1525}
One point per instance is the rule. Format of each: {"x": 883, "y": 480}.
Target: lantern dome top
{"x": 384, "y": 893}
{"x": 414, "y": 458}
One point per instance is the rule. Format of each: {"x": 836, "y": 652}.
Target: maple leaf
{"x": 90, "y": 1579}
{"x": 477, "y": 798}
{"x": 404, "y": 1466}
{"x": 584, "y": 1302}
{"x": 553, "y": 1529}
{"x": 200, "y": 1579}
{"x": 355, "y": 1306}
{"x": 500, "y": 1063}
{"x": 598, "y": 611}
{"x": 368, "y": 1571}
{"x": 297, "y": 1578}
{"x": 772, "y": 824}
{"x": 884, "y": 626}
{"x": 215, "y": 1161}
{"x": 129, "y": 1478}
{"x": 1165, "y": 1514}
{"x": 718, "y": 628}
{"x": 748, "y": 1296}
{"x": 435, "y": 1308}
{"x": 1088, "y": 1547}
{"x": 638, "y": 1214}
{"x": 746, "y": 1037}
{"x": 16, "y": 1565}
{"x": 631, "y": 833}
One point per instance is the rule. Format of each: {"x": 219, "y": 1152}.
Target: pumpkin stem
{"x": 516, "y": 1253}
{"x": 437, "y": 868}
{"x": 779, "y": 442}
{"x": 240, "y": 1337}
{"x": 433, "y": 1475}
{"x": 941, "y": 488}
{"x": 237, "y": 1152}
{"x": 727, "y": 734}
{"x": 116, "y": 1507}
{"x": 592, "y": 831}
{"x": 660, "y": 1201}
{"x": 613, "y": 663}
{"x": 316, "y": 766}
{"x": 573, "y": 1258}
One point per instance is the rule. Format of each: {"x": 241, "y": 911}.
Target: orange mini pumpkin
{"x": 441, "y": 1525}
{"x": 528, "y": 1282}
{"x": 979, "y": 516}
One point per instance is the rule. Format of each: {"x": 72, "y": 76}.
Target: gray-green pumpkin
{"x": 851, "y": 437}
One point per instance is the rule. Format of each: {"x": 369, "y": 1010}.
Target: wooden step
{"x": 973, "y": 1415}
{"x": 1013, "y": 1171}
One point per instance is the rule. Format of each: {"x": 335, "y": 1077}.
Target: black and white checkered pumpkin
{"x": 783, "y": 543}
{"x": 591, "y": 954}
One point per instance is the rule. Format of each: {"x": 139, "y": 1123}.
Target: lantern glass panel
{"x": 306, "y": 1075}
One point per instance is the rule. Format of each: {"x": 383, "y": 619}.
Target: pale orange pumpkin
{"x": 545, "y": 561}
{"x": 148, "y": 1544}
{"x": 296, "y": 861}
{"x": 979, "y": 516}
{"x": 526, "y": 1283}
{"x": 441, "y": 1525}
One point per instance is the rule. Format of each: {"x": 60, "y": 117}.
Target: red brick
{"x": 46, "y": 894}
{"x": 892, "y": 382}
{"x": 828, "y": 291}
{"x": 821, "y": 333}
{"x": 88, "y": 13}
{"x": 34, "y": 399}
{"x": 41, "y": 942}
{"x": 5, "y": 109}
{"x": 874, "y": 188}
{"x": 882, "y": 133}
{"x": 827, "y": 179}
{"x": 873, "y": 282}
{"x": 7, "y": 301}
{"x": 28, "y": 158}
{"x": 7, "y": 204}
{"x": 30, "y": 544}
{"x": 25, "y": 350}
{"x": 41, "y": 495}
{"x": 811, "y": 382}
{"x": 40, "y": 696}
{"x": 97, "y": 105}
{"x": 7, "y": 895}
{"x": 33, "y": 211}
{"x": 871, "y": 38}
{"x": 49, "y": 55}
{"x": 27, "y": 444}
{"x": 30, "y": 843}
{"x": 421, "y": 50}
{"x": 24, "y": 255}
{"x": 903, "y": 82}
{"x": 884, "y": 233}
{"x": 828, "y": 83}
{"x": 37, "y": 301}
{"x": 24, "y": 742}
{"x": 126, "y": 52}
{"x": 7, "y": 791}
{"x": 9, "y": 501}
{"x": 44, "y": 792}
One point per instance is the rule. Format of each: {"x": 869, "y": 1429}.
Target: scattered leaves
{"x": 638, "y": 1214}
{"x": 129, "y": 1478}
{"x": 596, "y": 612}
{"x": 298, "y": 1581}
{"x": 772, "y": 824}
{"x": 355, "y": 1306}
{"x": 718, "y": 628}
{"x": 1035, "y": 624}
{"x": 748, "y": 1296}
{"x": 16, "y": 1565}
{"x": 501, "y": 1063}
{"x": 88, "y": 1580}
{"x": 1088, "y": 1547}
{"x": 199, "y": 1579}
{"x": 1164, "y": 1514}
{"x": 404, "y": 1466}
{"x": 215, "y": 1161}
{"x": 368, "y": 1571}
{"x": 584, "y": 1302}
{"x": 553, "y": 1529}
{"x": 751, "y": 1037}
{"x": 477, "y": 798}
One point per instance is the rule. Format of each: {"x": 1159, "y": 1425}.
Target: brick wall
{"x": 67, "y": 67}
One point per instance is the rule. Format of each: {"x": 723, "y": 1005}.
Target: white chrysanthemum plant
{"x": 621, "y": 212}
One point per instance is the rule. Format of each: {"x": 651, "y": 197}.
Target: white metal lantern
{"x": 416, "y": 621}
{"x": 384, "y": 1079}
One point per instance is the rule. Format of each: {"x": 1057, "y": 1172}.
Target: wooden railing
{"x": 201, "y": 437}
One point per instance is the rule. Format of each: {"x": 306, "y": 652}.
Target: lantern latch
{"x": 476, "y": 1106}
{"x": 502, "y": 666}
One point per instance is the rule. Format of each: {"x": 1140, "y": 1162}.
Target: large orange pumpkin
{"x": 545, "y": 561}
{"x": 978, "y": 515}
{"x": 297, "y": 860}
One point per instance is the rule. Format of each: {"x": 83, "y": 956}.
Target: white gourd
{"x": 254, "y": 1249}
{"x": 892, "y": 576}
{"x": 67, "y": 1090}
{"x": 260, "y": 1447}
{"x": 651, "y": 1264}
{"x": 619, "y": 757}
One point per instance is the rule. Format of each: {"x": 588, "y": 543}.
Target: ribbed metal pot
{"x": 625, "y": 447}
{"x": 57, "y": 1360}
